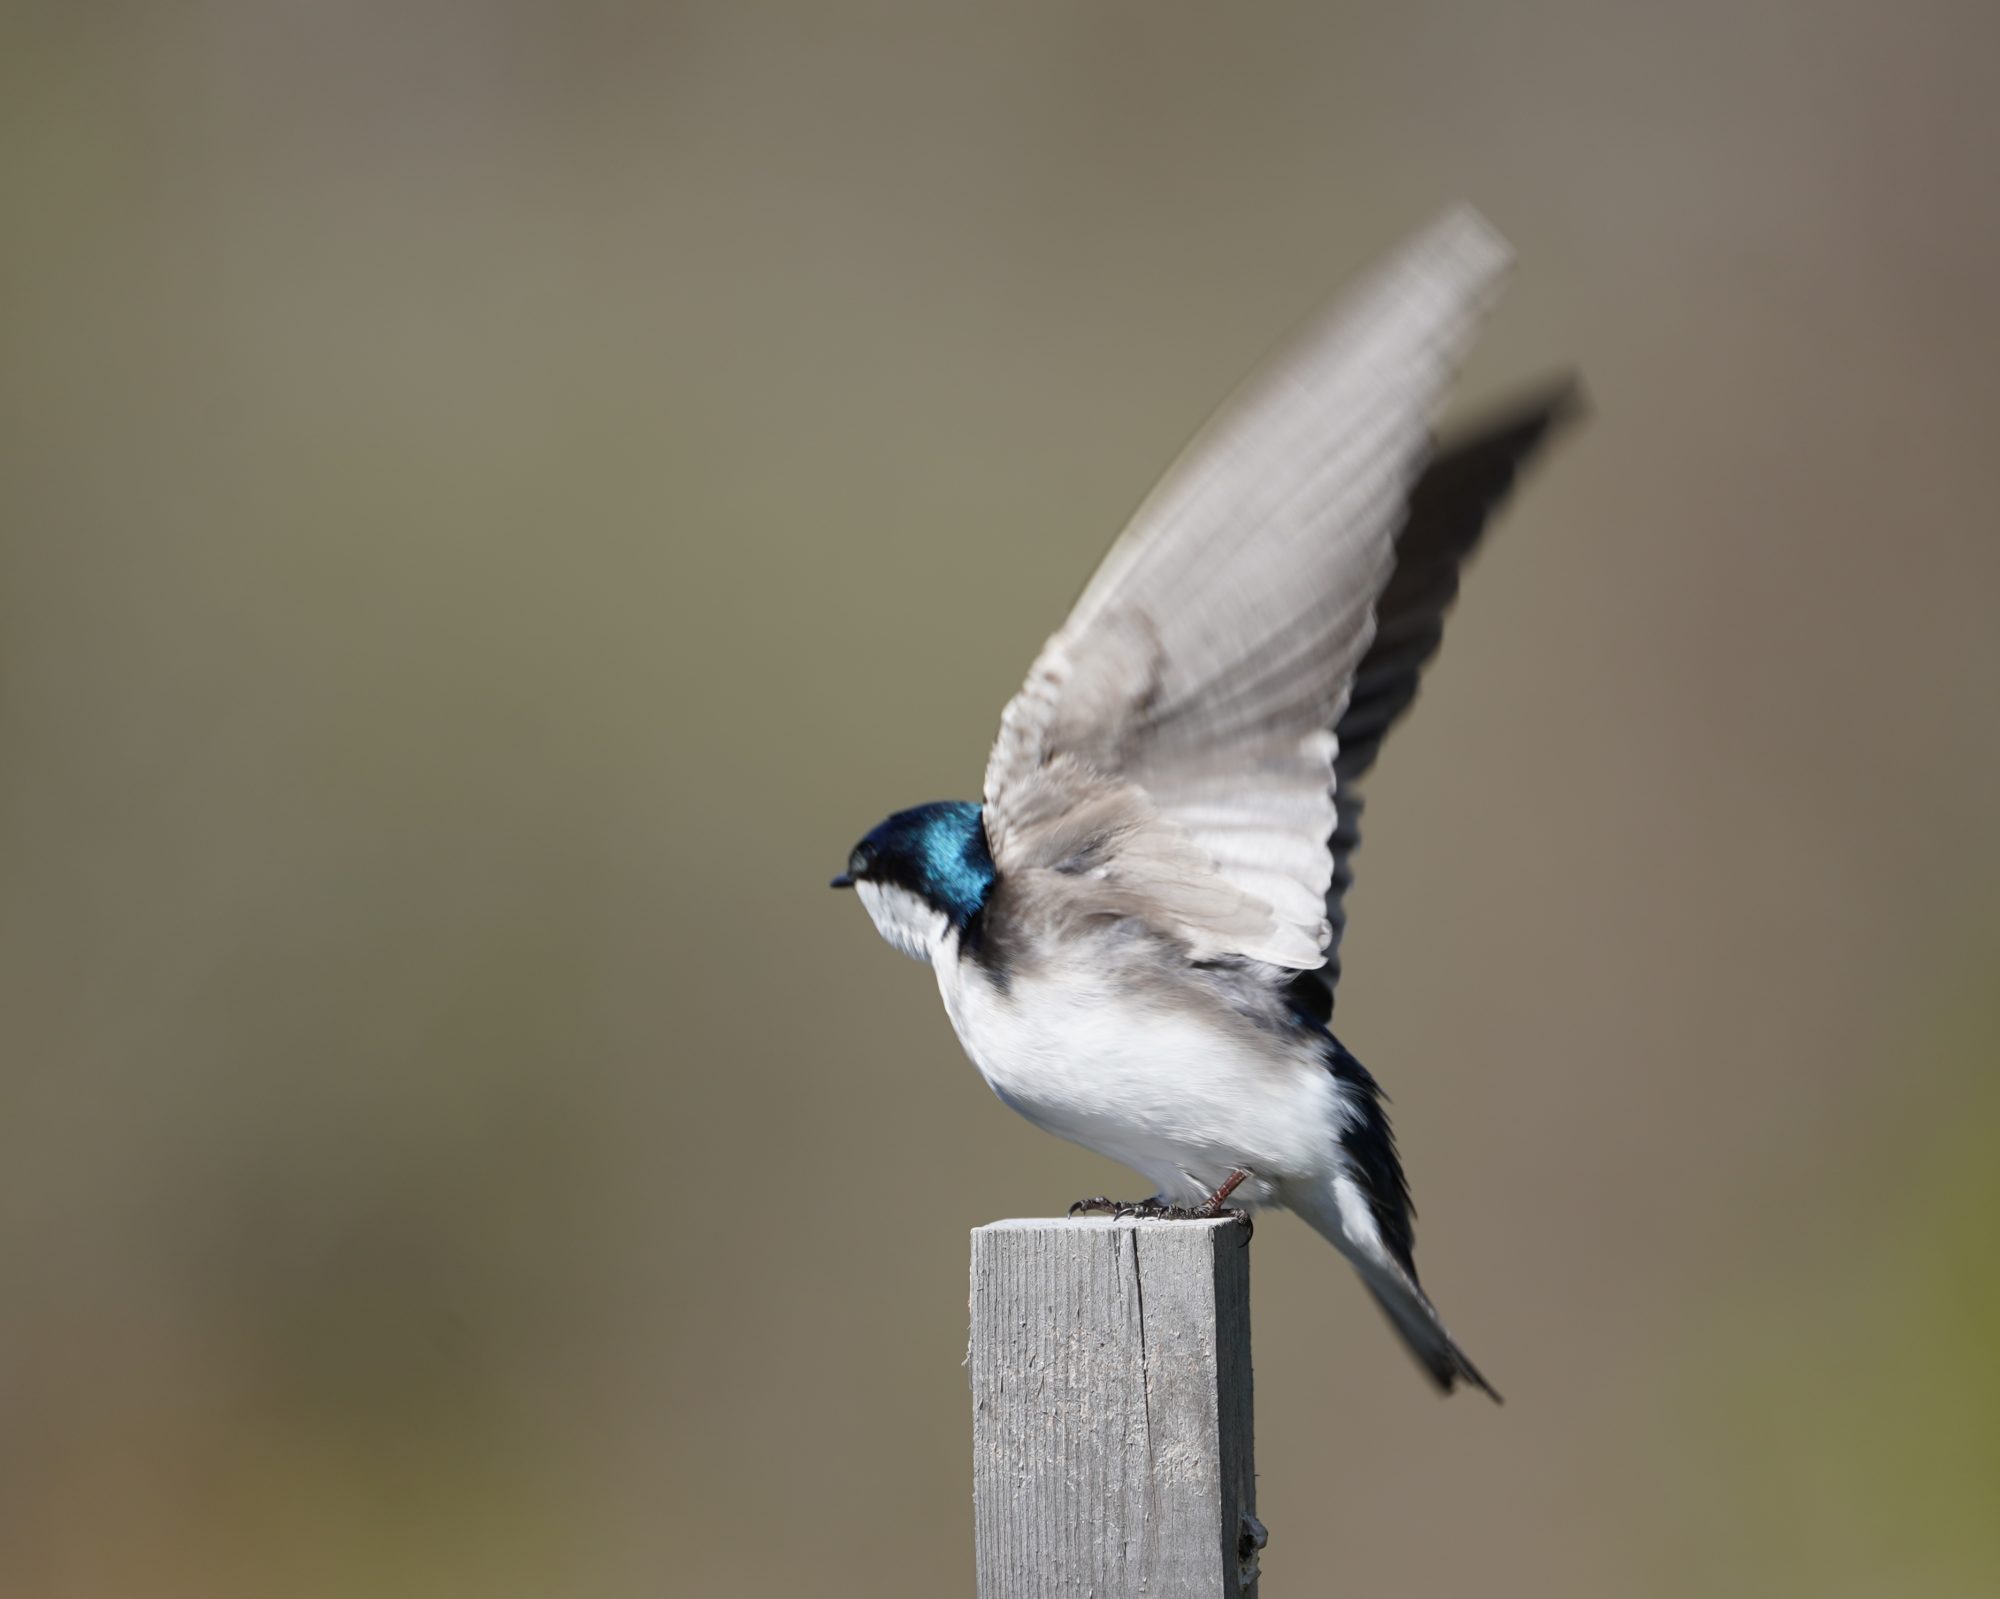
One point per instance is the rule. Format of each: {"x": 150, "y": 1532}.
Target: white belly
{"x": 1181, "y": 1095}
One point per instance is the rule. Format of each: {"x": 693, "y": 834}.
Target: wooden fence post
{"x": 1111, "y": 1412}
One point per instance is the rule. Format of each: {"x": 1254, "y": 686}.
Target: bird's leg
{"x": 1096, "y": 1205}
{"x": 1213, "y": 1205}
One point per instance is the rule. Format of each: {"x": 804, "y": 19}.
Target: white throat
{"x": 913, "y": 926}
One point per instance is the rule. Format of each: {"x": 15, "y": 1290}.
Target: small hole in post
{"x": 1249, "y": 1540}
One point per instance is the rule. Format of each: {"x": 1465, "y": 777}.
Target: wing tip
{"x": 1462, "y": 231}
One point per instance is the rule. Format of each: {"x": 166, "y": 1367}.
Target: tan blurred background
{"x": 494, "y": 499}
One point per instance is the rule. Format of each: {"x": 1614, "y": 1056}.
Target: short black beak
{"x": 844, "y": 880}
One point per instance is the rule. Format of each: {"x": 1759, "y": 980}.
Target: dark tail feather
{"x": 1411, "y": 1313}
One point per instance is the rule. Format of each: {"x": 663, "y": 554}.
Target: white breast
{"x": 1183, "y": 1094}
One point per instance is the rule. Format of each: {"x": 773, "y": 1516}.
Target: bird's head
{"x": 922, "y": 874}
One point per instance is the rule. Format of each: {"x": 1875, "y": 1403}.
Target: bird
{"x": 1136, "y": 931}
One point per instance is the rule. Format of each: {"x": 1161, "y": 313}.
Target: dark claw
{"x": 1156, "y": 1209}
{"x": 1095, "y": 1205}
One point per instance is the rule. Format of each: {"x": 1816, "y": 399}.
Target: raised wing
{"x": 1175, "y": 737}
{"x": 1454, "y": 502}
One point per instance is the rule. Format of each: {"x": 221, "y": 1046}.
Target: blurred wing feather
{"x": 1203, "y": 670}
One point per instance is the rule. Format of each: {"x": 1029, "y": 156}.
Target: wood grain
{"x": 1111, "y": 1410}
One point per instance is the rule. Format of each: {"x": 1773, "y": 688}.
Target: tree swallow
{"x": 1136, "y": 934}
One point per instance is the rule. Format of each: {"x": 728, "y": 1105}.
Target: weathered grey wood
{"x": 1111, "y": 1414}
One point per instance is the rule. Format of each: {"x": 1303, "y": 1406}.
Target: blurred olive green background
{"x": 495, "y": 499}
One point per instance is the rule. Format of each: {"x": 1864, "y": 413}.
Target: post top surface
{"x": 1056, "y": 1224}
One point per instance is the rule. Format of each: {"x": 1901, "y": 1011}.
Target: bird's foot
{"x": 1154, "y": 1209}
{"x": 1158, "y": 1209}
